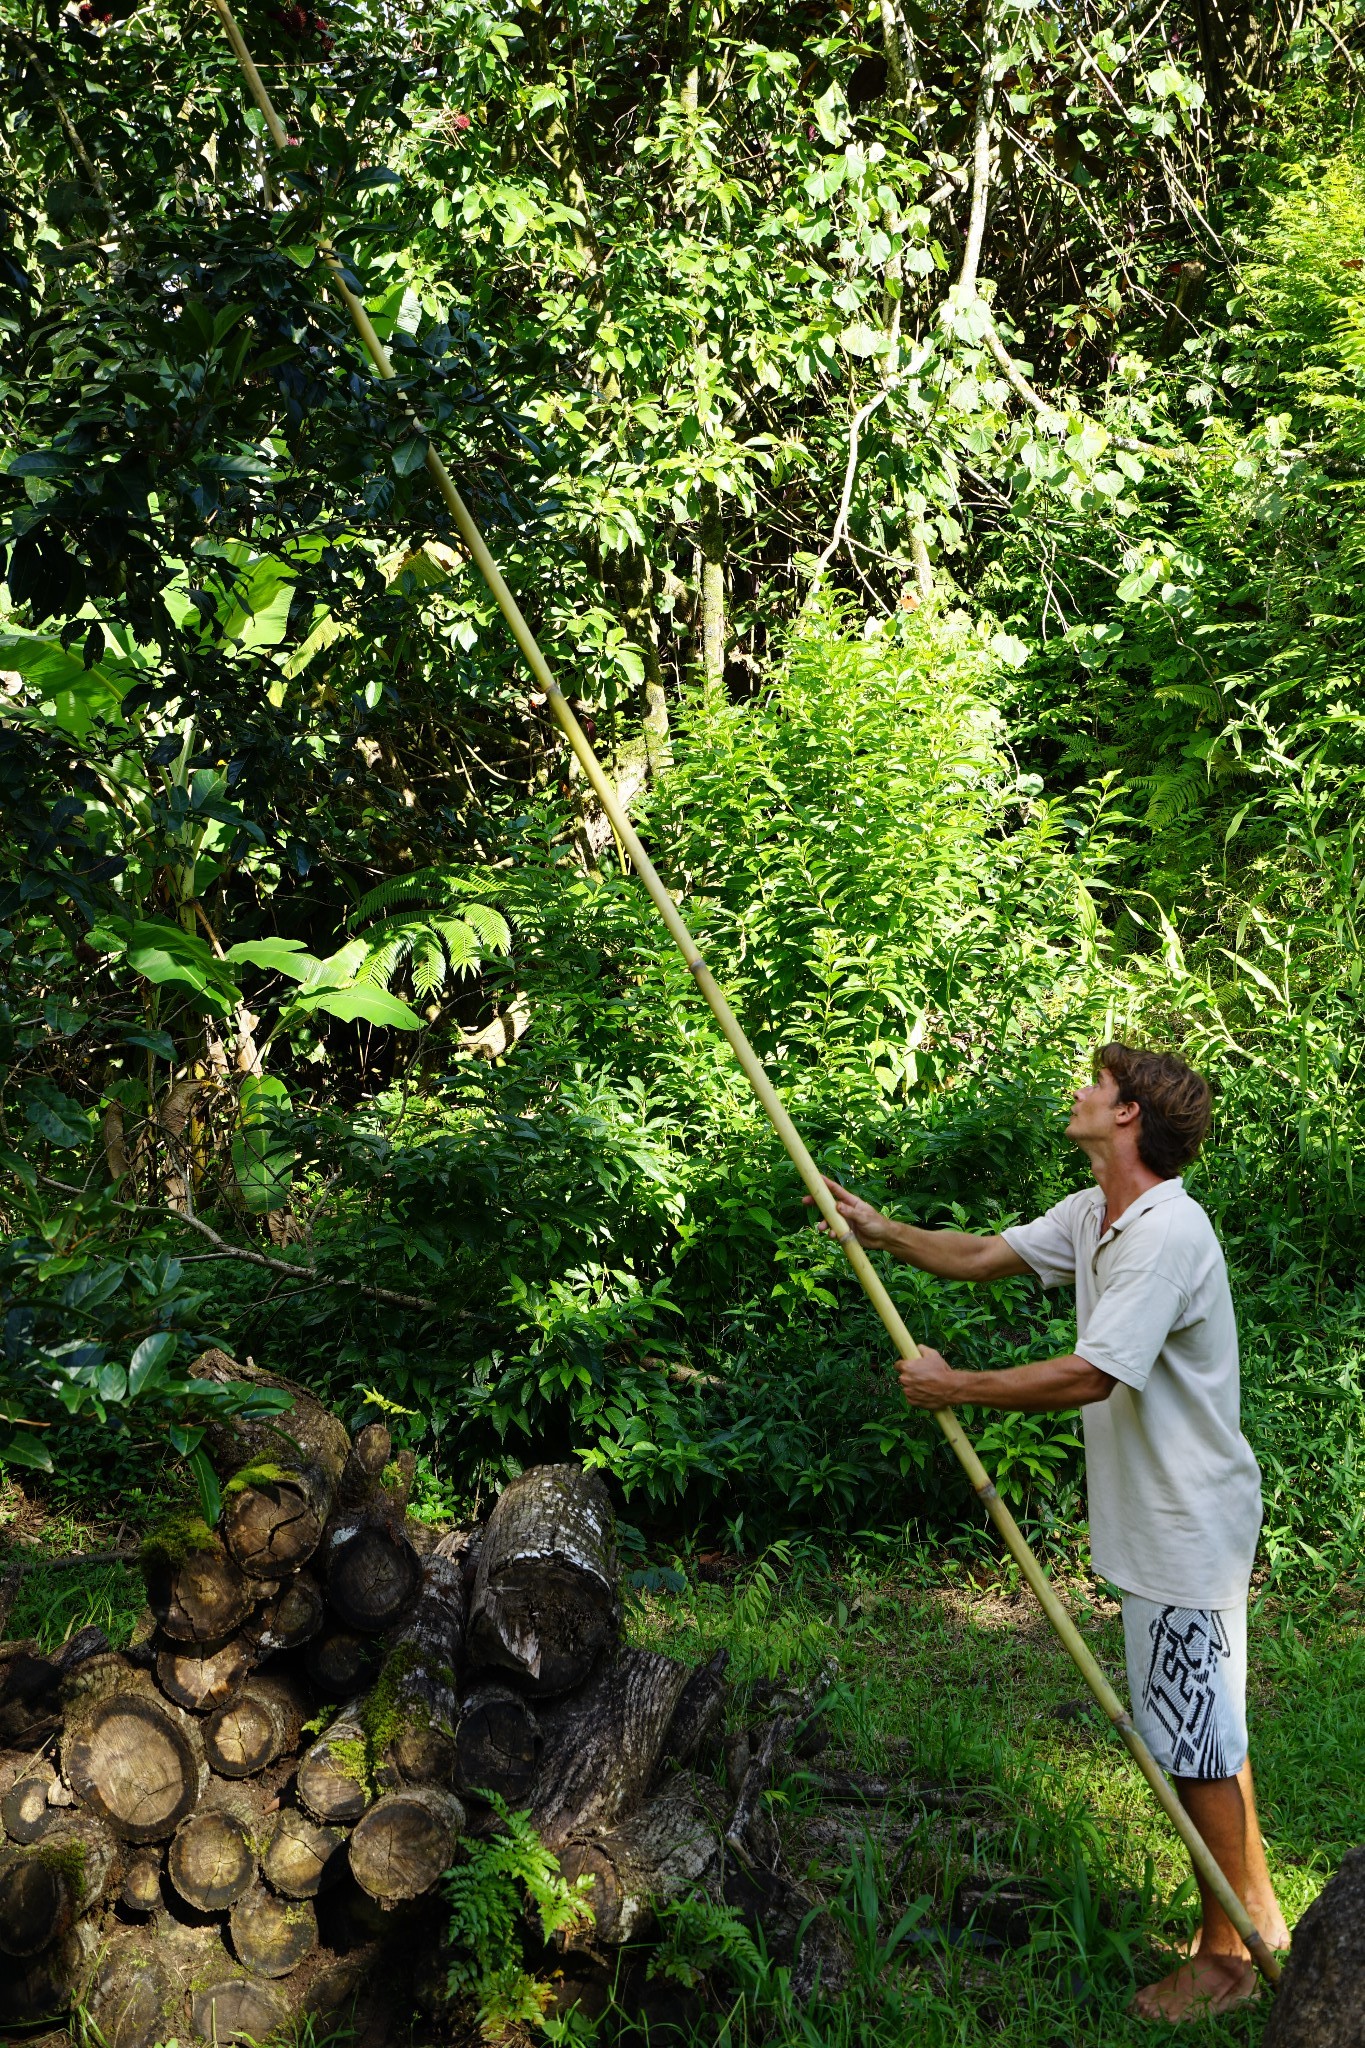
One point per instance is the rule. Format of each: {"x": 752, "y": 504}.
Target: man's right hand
{"x": 867, "y": 1224}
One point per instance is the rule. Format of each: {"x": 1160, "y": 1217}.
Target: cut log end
{"x": 24, "y": 1810}
{"x": 196, "y": 1591}
{"x": 497, "y": 1744}
{"x": 140, "y": 1891}
{"x": 545, "y": 1601}
{"x": 212, "y": 1862}
{"x": 246, "y": 1737}
{"x": 204, "y": 1676}
{"x": 332, "y": 1783}
{"x": 373, "y": 1576}
{"x": 290, "y": 1618}
{"x": 237, "y": 2009}
{"x": 46, "y": 1887}
{"x": 303, "y": 1858}
{"x": 272, "y": 1936}
{"x": 341, "y": 1662}
{"x": 405, "y": 1842}
{"x": 137, "y": 1764}
{"x": 273, "y": 1527}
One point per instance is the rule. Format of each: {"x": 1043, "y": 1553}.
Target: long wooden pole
{"x": 906, "y": 1347}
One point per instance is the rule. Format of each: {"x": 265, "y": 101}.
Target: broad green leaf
{"x": 363, "y": 1005}
{"x": 278, "y": 956}
{"x": 149, "y": 1361}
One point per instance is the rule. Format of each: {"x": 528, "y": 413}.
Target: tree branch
{"x": 293, "y": 1272}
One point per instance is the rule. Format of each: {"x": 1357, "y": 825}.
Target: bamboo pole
{"x": 906, "y": 1347}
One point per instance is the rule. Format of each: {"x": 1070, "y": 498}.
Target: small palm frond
{"x": 431, "y": 919}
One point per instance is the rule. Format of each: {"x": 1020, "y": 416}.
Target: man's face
{"x": 1095, "y": 1109}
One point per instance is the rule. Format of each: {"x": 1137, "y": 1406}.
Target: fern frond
{"x": 384, "y": 961}
{"x": 428, "y": 965}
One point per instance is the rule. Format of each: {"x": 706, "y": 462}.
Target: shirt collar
{"x": 1164, "y": 1191}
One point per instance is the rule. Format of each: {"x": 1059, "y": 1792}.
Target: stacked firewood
{"x": 237, "y": 1821}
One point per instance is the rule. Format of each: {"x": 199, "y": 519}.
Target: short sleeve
{"x": 1129, "y": 1324}
{"x": 1048, "y": 1244}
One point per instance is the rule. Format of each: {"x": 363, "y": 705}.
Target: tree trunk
{"x": 332, "y": 1783}
{"x": 46, "y": 1887}
{"x": 711, "y": 534}
{"x": 289, "y": 1618}
{"x": 421, "y": 1678}
{"x": 653, "y": 1857}
{"x": 699, "y": 1715}
{"x": 404, "y": 1843}
{"x": 261, "y": 1724}
{"x": 303, "y": 1858}
{"x": 497, "y": 1744}
{"x": 204, "y": 1676}
{"x": 272, "y": 1936}
{"x": 212, "y": 1861}
{"x": 602, "y": 1745}
{"x": 339, "y": 1662}
{"x": 140, "y": 1891}
{"x": 136, "y": 1761}
{"x": 545, "y": 1599}
{"x": 196, "y": 1591}
{"x": 373, "y": 1572}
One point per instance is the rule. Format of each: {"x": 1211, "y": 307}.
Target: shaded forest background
{"x": 929, "y": 442}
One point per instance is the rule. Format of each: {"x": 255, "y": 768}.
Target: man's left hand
{"x": 928, "y": 1381}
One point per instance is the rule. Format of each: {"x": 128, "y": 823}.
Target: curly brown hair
{"x": 1175, "y": 1101}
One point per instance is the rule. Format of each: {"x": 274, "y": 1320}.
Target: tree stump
{"x": 303, "y": 1859}
{"x": 212, "y": 1860}
{"x": 140, "y": 1891}
{"x": 24, "y": 1810}
{"x": 405, "y": 1842}
{"x": 332, "y": 1782}
{"x": 263, "y": 1722}
{"x": 603, "y": 1743}
{"x": 203, "y": 1676}
{"x": 137, "y": 1762}
{"x": 373, "y": 1572}
{"x": 196, "y": 1591}
{"x": 271, "y": 1936}
{"x": 545, "y": 1600}
{"x": 497, "y": 1744}
{"x": 46, "y": 1887}
{"x": 291, "y": 1616}
{"x": 647, "y": 1860}
{"x": 340, "y": 1662}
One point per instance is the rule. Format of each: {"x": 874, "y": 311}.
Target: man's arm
{"x": 1071, "y": 1382}
{"x": 952, "y": 1254}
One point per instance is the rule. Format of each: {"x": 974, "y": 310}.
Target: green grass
{"x": 957, "y": 1683}
{"x": 54, "y": 1601}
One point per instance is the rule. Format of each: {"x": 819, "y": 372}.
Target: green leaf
{"x": 364, "y": 1005}
{"x": 410, "y": 456}
{"x": 24, "y": 1447}
{"x": 148, "y": 1363}
{"x": 167, "y": 954}
{"x": 278, "y": 956}
{"x": 206, "y": 1479}
{"x": 55, "y": 1116}
{"x": 262, "y": 1161}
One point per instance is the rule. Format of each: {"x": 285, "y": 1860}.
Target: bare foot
{"x": 1207, "y": 1984}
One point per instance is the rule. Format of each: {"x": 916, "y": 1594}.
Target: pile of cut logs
{"x": 230, "y": 1824}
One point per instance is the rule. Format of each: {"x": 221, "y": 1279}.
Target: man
{"x": 1175, "y": 1492}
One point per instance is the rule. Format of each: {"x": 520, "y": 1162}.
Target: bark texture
{"x": 1321, "y": 2001}
{"x": 658, "y": 1854}
{"x": 602, "y": 1745}
{"x": 546, "y": 1602}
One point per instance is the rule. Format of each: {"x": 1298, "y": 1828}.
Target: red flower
{"x": 461, "y": 121}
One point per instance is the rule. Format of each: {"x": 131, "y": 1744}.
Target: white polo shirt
{"x": 1175, "y": 1492}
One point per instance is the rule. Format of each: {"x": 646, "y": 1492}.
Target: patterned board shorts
{"x": 1187, "y": 1679}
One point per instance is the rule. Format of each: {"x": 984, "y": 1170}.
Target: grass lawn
{"x": 960, "y": 1683}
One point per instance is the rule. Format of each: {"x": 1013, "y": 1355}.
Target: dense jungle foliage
{"x": 929, "y": 442}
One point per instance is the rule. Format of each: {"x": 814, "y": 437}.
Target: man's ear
{"x": 1127, "y": 1113}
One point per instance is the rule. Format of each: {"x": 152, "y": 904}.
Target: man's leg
{"x": 1220, "y": 1975}
{"x": 1259, "y": 1894}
